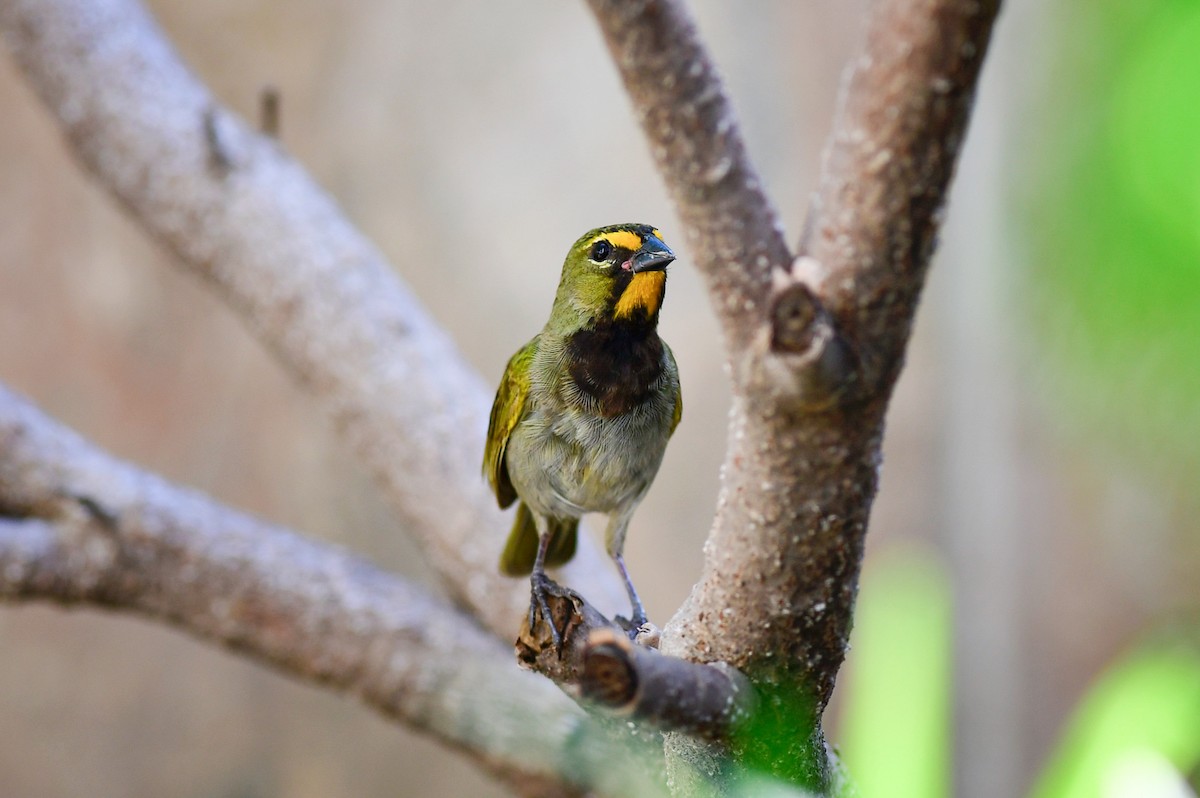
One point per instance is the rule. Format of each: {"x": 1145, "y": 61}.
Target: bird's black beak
{"x": 652, "y": 257}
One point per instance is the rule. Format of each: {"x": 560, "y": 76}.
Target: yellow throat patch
{"x": 645, "y": 290}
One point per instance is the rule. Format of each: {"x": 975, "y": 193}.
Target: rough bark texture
{"x": 245, "y": 217}
{"x": 888, "y": 166}
{"x": 781, "y": 563}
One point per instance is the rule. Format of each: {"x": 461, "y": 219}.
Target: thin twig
{"x": 269, "y": 113}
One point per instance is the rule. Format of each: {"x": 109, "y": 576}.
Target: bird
{"x": 585, "y": 409}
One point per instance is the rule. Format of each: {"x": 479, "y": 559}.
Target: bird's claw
{"x": 647, "y": 635}
{"x": 538, "y": 604}
{"x": 639, "y": 629}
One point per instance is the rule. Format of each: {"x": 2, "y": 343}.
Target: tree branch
{"x": 732, "y": 229}
{"x": 887, "y": 169}
{"x": 816, "y": 345}
{"x": 672, "y": 694}
{"x": 245, "y": 217}
{"x": 598, "y": 664}
{"x": 78, "y": 527}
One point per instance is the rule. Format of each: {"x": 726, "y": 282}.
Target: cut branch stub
{"x": 801, "y": 359}
{"x": 598, "y": 664}
{"x": 807, "y": 351}
{"x": 795, "y": 316}
{"x": 705, "y": 700}
{"x": 574, "y": 619}
{"x": 269, "y": 115}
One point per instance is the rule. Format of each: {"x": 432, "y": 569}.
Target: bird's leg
{"x": 537, "y": 582}
{"x": 639, "y": 613}
{"x": 614, "y": 541}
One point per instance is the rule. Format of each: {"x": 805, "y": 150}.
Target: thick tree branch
{"x": 244, "y": 216}
{"x": 816, "y": 345}
{"x": 732, "y": 229}
{"x": 786, "y": 548}
{"x": 78, "y": 527}
{"x": 887, "y": 169}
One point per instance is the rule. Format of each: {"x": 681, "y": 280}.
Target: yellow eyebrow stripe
{"x": 622, "y": 238}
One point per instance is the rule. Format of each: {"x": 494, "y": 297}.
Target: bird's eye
{"x": 600, "y": 251}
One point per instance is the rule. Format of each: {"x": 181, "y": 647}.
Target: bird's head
{"x": 616, "y": 273}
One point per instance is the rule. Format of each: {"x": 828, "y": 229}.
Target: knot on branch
{"x": 804, "y": 358}
{"x": 599, "y": 665}
{"x": 794, "y": 315}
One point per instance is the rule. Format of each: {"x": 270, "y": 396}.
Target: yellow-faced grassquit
{"x": 584, "y": 410}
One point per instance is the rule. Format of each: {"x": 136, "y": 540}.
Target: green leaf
{"x": 1116, "y": 237}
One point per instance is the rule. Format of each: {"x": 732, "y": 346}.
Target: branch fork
{"x": 800, "y": 358}
{"x": 816, "y": 344}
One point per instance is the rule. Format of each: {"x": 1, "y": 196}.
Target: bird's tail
{"x": 520, "y": 551}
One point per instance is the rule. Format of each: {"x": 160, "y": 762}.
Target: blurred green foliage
{"x": 1114, "y": 228}
{"x": 895, "y": 728}
{"x": 1136, "y": 733}
{"x": 1116, "y": 232}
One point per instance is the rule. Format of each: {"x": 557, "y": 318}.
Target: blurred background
{"x": 1033, "y": 551}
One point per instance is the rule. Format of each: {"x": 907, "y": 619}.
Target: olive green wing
{"x": 673, "y": 371}
{"x": 506, "y": 412}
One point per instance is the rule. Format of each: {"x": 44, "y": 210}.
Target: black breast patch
{"x": 616, "y": 364}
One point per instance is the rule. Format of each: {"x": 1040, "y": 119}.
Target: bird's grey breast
{"x": 576, "y": 457}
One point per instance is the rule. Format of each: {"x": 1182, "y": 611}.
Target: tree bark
{"x": 815, "y": 346}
